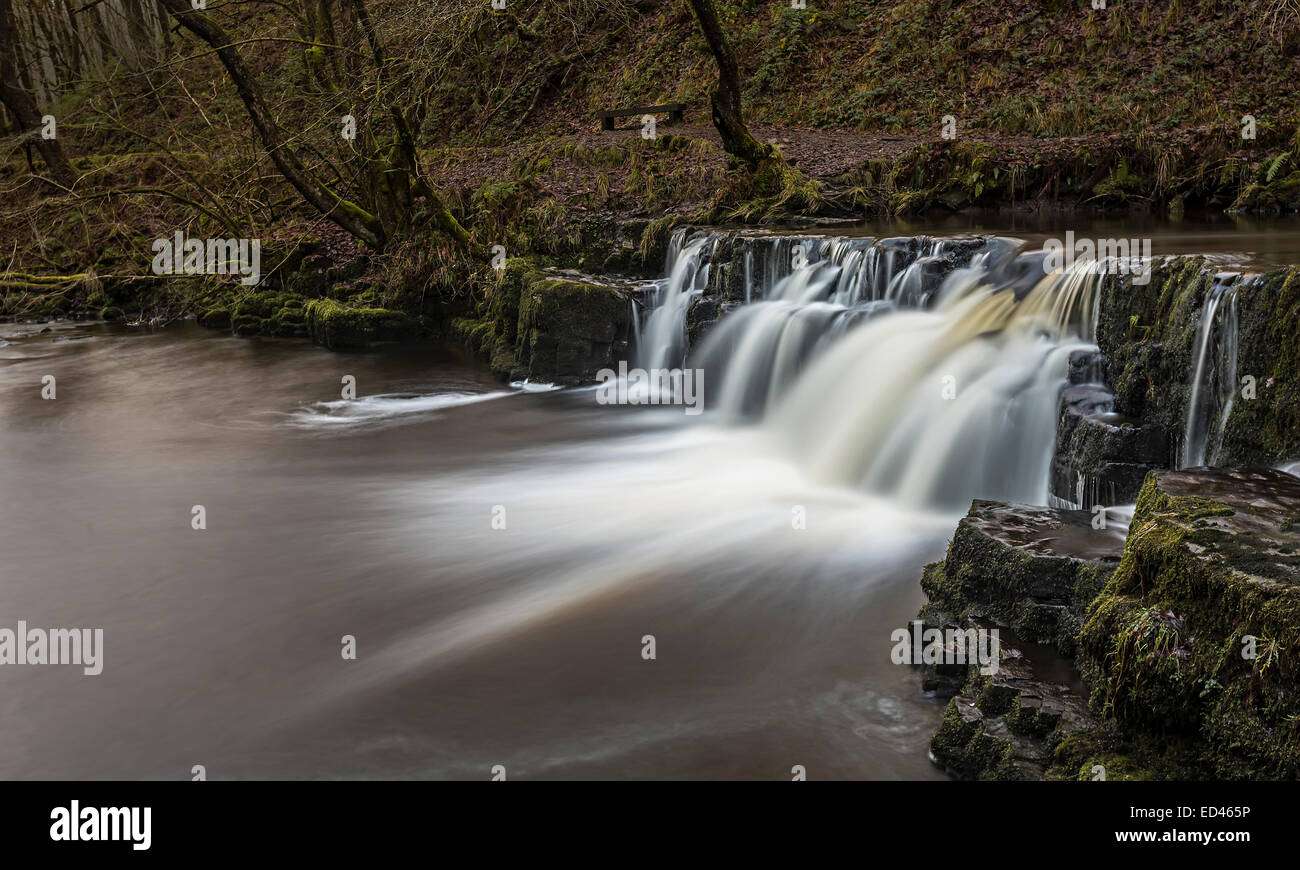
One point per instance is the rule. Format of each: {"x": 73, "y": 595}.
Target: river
{"x": 537, "y": 585}
{"x": 475, "y": 646}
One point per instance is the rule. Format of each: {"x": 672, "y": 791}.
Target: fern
{"x": 1276, "y": 165}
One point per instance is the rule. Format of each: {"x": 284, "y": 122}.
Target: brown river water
{"x": 475, "y": 646}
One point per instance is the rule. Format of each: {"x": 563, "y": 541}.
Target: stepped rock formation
{"x": 1186, "y": 646}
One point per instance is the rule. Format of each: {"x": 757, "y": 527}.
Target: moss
{"x": 340, "y": 327}
{"x": 479, "y": 335}
{"x": 654, "y": 239}
{"x": 217, "y": 317}
{"x": 1265, "y": 430}
{"x": 986, "y": 572}
{"x": 111, "y": 313}
{"x": 975, "y": 747}
{"x": 1162, "y": 645}
{"x": 567, "y": 329}
{"x": 534, "y": 326}
{"x": 492, "y": 336}
{"x": 267, "y": 312}
{"x": 1114, "y": 767}
{"x": 1073, "y": 749}
{"x": 1148, "y": 334}
{"x": 1270, "y": 196}
{"x": 248, "y": 324}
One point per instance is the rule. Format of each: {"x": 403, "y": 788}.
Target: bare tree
{"x": 18, "y": 100}
{"x": 395, "y": 179}
{"x": 348, "y": 215}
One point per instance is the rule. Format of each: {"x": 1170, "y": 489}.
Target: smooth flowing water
{"x": 476, "y": 646}
{"x": 1214, "y": 378}
{"x": 532, "y": 580}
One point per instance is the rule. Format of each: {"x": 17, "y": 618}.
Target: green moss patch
{"x": 339, "y": 327}
{"x": 1195, "y": 635}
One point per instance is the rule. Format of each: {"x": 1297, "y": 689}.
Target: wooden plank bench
{"x": 674, "y": 111}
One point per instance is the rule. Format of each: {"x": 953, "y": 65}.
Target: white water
{"x": 878, "y": 373}
{"x": 385, "y": 409}
{"x": 1214, "y": 379}
{"x": 663, "y": 340}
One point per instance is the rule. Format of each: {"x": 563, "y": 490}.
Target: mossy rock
{"x": 311, "y": 278}
{"x": 479, "y": 335}
{"x": 267, "y": 312}
{"x": 217, "y": 317}
{"x": 111, "y": 313}
{"x": 975, "y": 746}
{"x": 567, "y": 330}
{"x": 546, "y": 329}
{"x": 1148, "y": 334}
{"x": 1265, "y": 429}
{"x": 1212, "y": 560}
{"x": 1112, "y": 766}
{"x": 1282, "y": 194}
{"x": 339, "y": 327}
{"x": 1021, "y": 566}
{"x": 1101, "y": 457}
{"x": 614, "y": 245}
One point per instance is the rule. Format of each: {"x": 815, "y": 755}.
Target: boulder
{"x": 1032, "y": 569}
{"x": 339, "y": 327}
{"x": 548, "y": 327}
{"x": 1102, "y": 457}
{"x": 1031, "y": 572}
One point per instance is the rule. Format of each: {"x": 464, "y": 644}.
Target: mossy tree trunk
{"x": 395, "y": 170}
{"x": 727, "y": 115}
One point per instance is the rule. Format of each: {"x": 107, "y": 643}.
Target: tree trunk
{"x": 346, "y": 214}
{"x": 18, "y": 100}
{"x": 727, "y": 115}
{"x": 403, "y": 165}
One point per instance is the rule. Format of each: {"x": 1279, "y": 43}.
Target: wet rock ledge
{"x": 548, "y": 326}
{"x": 1169, "y": 654}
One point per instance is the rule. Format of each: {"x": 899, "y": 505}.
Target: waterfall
{"x": 1214, "y": 378}
{"x": 664, "y": 337}
{"x": 845, "y": 272}
{"x": 925, "y": 370}
{"x": 932, "y": 408}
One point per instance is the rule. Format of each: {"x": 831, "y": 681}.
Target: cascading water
{"x": 511, "y": 578}
{"x": 663, "y": 341}
{"x": 926, "y": 370}
{"x": 635, "y": 319}
{"x": 1214, "y": 379}
{"x": 934, "y": 408}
